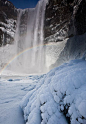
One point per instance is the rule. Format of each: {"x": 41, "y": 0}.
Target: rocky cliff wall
{"x": 8, "y": 17}
{"x": 64, "y": 18}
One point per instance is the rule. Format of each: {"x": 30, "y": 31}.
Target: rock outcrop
{"x": 8, "y": 17}
{"x": 64, "y": 19}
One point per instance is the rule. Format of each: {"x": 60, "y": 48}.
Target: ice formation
{"x": 59, "y": 97}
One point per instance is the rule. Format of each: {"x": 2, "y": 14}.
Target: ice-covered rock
{"x": 59, "y": 97}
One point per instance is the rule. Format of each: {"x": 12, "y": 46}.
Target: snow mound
{"x": 59, "y": 97}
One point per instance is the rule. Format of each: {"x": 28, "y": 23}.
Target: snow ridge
{"x": 59, "y": 97}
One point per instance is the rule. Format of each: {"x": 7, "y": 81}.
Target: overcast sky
{"x": 24, "y": 3}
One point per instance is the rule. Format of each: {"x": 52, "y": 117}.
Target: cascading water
{"x": 31, "y": 55}
{"x": 31, "y": 60}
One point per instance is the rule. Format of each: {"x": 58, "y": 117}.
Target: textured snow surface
{"x": 12, "y": 90}
{"x": 59, "y": 97}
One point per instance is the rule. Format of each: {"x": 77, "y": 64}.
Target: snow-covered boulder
{"x": 59, "y": 97}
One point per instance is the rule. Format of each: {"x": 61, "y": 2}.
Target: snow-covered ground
{"x": 58, "y": 97}
{"x": 12, "y": 90}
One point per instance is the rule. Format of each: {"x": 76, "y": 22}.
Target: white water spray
{"x": 32, "y": 61}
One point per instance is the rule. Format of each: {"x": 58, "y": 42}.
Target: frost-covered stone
{"x": 59, "y": 96}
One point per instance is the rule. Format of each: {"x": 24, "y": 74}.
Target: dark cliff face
{"x": 80, "y": 18}
{"x": 8, "y": 17}
{"x": 57, "y": 18}
{"x": 64, "y": 18}
{"x": 8, "y": 9}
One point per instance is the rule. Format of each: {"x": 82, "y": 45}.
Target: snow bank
{"x": 59, "y": 97}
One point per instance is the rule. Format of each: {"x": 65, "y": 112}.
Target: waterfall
{"x": 31, "y": 60}
{"x": 38, "y": 56}
{"x": 17, "y": 36}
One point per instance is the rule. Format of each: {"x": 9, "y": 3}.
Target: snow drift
{"x": 59, "y": 97}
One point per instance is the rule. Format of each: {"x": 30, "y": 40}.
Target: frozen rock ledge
{"x": 59, "y": 97}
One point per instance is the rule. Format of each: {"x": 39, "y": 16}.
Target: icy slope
{"x": 59, "y": 97}
{"x": 12, "y": 90}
